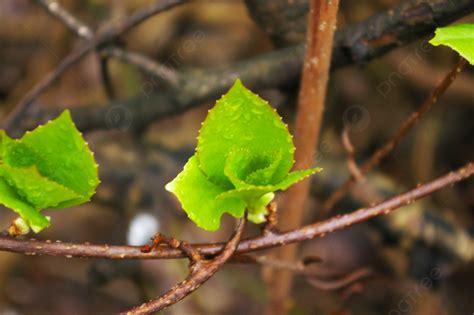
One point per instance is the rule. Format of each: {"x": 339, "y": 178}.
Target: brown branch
{"x": 108, "y": 34}
{"x": 271, "y": 219}
{"x": 351, "y": 163}
{"x": 419, "y": 223}
{"x": 312, "y": 277}
{"x": 201, "y": 271}
{"x": 320, "y": 34}
{"x": 388, "y": 146}
{"x": 308, "y": 232}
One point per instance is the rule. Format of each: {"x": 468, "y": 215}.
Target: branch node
{"x": 159, "y": 239}
{"x": 271, "y": 224}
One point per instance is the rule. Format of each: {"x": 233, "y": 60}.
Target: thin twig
{"x": 201, "y": 271}
{"x": 105, "y": 36}
{"x": 81, "y": 30}
{"x": 147, "y": 65}
{"x": 105, "y": 76}
{"x": 320, "y": 35}
{"x": 385, "y": 149}
{"x": 73, "y": 24}
{"x": 351, "y": 163}
{"x": 344, "y": 281}
{"x": 308, "y": 232}
{"x": 314, "y": 278}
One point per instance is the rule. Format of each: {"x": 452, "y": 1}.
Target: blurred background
{"x": 420, "y": 257}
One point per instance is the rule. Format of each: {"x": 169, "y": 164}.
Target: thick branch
{"x": 308, "y": 232}
{"x": 321, "y": 25}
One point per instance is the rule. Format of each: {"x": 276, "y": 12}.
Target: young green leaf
{"x": 459, "y": 37}
{"x": 50, "y": 167}
{"x": 242, "y": 120}
{"x": 9, "y": 198}
{"x": 198, "y": 195}
{"x": 244, "y": 154}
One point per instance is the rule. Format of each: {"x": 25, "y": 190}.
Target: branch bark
{"x": 321, "y": 26}
{"x": 308, "y": 232}
{"x": 201, "y": 271}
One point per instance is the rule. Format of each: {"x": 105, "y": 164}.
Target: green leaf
{"x": 459, "y": 37}
{"x": 9, "y": 198}
{"x": 3, "y": 137}
{"x": 244, "y": 154}
{"x": 296, "y": 176}
{"x": 252, "y": 194}
{"x": 50, "y": 167}
{"x": 197, "y": 195}
{"x": 242, "y": 120}
{"x": 67, "y": 159}
{"x": 36, "y": 189}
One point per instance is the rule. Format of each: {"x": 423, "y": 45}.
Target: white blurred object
{"x": 142, "y": 227}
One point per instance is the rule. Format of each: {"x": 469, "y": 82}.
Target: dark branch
{"x": 357, "y": 43}
{"x": 409, "y": 21}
